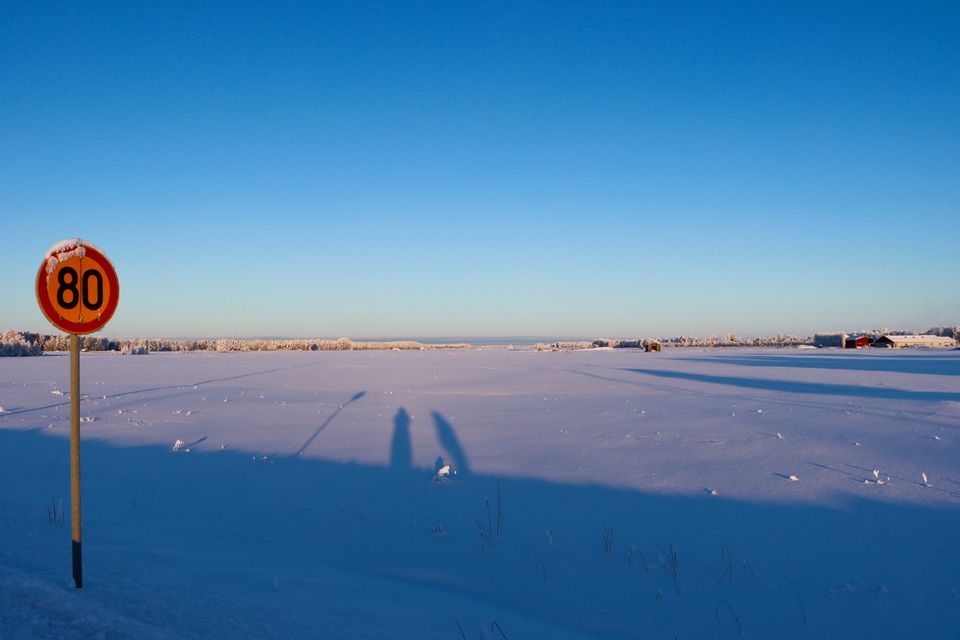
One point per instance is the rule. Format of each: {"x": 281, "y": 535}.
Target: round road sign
{"x": 77, "y": 287}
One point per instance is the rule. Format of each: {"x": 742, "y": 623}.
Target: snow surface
{"x": 597, "y": 494}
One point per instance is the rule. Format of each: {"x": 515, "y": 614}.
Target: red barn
{"x": 857, "y": 342}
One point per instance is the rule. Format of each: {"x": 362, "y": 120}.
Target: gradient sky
{"x": 444, "y": 169}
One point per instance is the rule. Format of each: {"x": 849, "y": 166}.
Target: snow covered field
{"x": 598, "y": 494}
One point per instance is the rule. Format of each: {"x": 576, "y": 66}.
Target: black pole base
{"x": 77, "y": 565}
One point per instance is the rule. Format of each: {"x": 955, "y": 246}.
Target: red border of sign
{"x": 77, "y": 327}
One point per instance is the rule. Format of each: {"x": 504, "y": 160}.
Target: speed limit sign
{"x": 78, "y": 291}
{"x": 77, "y": 287}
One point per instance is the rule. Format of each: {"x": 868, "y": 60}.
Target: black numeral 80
{"x": 68, "y": 281}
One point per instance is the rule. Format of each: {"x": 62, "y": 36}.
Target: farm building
{"x": 857, "y": 342}
{"x": 652, "y": 345}
{"x": 898, "y": 342}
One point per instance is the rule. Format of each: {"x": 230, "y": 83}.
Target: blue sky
{"x": 444, "y": 169}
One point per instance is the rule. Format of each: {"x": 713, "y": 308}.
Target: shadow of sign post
{"x": 329, "y": 419}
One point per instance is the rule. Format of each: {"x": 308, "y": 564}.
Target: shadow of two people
{"x": 401, "y": 446}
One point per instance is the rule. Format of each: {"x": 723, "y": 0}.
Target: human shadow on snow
{"x": 447, "y": 436}
{"x": 401, "y": 449}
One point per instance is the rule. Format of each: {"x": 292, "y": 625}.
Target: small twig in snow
{"x": 607, "y": 540}
{"x": 485, "y": 539}
{"x": 733, "y": 613}
{"x": 727, "y": 561}
{"x": 673, "y": 565}
{"x": 643, "y": 558}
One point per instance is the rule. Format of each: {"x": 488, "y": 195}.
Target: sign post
{"x": 76, "y": 534}
{"x": 78, "y": 292}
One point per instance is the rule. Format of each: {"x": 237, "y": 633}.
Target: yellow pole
{"x": 75, "y": 458}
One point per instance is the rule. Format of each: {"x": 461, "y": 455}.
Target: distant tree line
{"x": 18, "y": 343}
{"x": 21, "y": 343}
{"x": 732, "y": 340}
{"x": 950, "y": 332}
{"x": 728, "y": 340}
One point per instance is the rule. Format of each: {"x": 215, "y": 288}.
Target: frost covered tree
{"x": 17, "y": 343}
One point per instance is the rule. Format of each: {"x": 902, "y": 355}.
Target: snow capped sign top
{"x": 77, "y": 287}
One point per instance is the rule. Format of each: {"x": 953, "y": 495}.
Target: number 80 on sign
{"x": 77, "y": 287}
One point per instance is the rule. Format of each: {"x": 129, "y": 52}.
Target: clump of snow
{"x": 444, "y": 473}
{"x": 63, "y": 251}
{"x": 62, "y": 246}
{"x": 70, "y": 244}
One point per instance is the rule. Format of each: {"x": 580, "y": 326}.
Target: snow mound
{"x": 36, "y": 609}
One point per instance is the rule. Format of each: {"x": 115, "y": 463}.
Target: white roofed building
{"x": 897, "y": 342}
